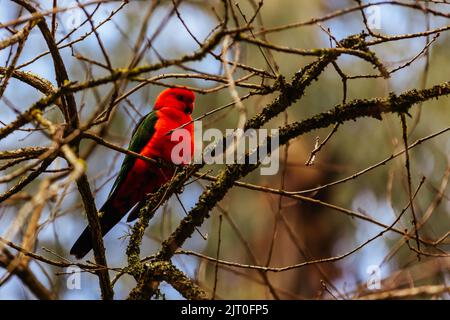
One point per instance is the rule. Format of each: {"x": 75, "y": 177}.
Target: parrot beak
{"x": 189, "y": 108}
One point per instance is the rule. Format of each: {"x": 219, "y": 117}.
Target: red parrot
{"x": 137, "y": 177}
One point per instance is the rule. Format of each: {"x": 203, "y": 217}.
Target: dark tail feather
{"x": 83, "y": 244}
{"x": 109, "y": 218}
{"x": 134, "y": 214}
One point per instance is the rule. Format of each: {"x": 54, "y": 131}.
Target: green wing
{"x": 141, "y": 135}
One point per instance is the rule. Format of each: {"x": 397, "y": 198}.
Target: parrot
{"x": 137, "y": 178}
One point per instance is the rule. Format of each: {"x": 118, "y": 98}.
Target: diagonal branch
{"x": 350, "y": 111}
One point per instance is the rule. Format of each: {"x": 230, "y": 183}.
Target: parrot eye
{"x": 180, "y": 98}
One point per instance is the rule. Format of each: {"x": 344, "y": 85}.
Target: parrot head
{"x": 178, "y": 98}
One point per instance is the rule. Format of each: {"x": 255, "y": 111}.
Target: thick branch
{"x": 26, "y": 276}
{"x": 351, "y": 111}
{"x": 97, "y": 238}
{"x": 158, "y": 271}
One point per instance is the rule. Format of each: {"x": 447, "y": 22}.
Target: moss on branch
{"x": 157, "y": 271}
